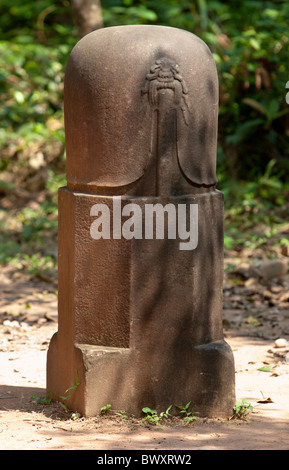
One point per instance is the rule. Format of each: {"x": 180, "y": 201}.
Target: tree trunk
{"x": 87, "y": 15}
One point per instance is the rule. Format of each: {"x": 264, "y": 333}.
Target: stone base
{"x": 140, "y": 320}
{"x": 122, "y": 378}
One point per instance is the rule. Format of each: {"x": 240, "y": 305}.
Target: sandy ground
{"x": 26, "y": 425}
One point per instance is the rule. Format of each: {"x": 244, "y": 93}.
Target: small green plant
{"x": 265, "y": 368}
{"x": 166, "y": 414}
{"x": 188, "y": 415}
{"x": 105, "y": 409}
{"x": 151, "y": 416}
{"x": 241, "y": 409}
{"x": 122, "y": 415}
{"x": 72, "y": 389}
{"x": 40, "y": 400}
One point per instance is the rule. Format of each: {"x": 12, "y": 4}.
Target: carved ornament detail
{"x": 164, "y": 74}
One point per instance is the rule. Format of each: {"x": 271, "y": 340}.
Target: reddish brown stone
{"x": 140, "y": 320}
{"x": 110, "y": 114}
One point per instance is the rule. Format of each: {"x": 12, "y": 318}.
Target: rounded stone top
{"x": 134, "y": 95}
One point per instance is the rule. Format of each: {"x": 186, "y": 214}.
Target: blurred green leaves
{"x": 250, "y": 44}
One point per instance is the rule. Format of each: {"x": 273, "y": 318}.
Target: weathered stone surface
{"x": 269, "y": 269}
{"x": 140, "y": 319}
{"x": 110, "y": 140}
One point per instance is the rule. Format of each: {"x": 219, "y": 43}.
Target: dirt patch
{"x": 28, "y": 319}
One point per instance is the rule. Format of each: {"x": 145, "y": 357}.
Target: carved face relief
{"x": 164, "y": 74}
{"x": 158, "y": 136}
{"x": 179, "y": 130}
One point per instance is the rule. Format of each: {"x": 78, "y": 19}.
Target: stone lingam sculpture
{"x": 141, "y": 228}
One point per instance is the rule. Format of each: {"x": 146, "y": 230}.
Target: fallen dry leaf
{"x": 266, "y": 400}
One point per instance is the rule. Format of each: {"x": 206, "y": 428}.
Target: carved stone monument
{"x": 141, "y": 228}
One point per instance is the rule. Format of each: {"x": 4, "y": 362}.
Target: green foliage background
{"x": 250, "y": 44}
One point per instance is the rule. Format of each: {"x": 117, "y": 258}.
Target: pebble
{"x": 269, "y": 269}
{"x": 281, "y": 343}
{"x": 13, "y": 324}
{"x": 16, "y": 324}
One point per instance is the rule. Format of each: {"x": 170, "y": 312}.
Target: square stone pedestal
{"x": 140, "y": 320}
